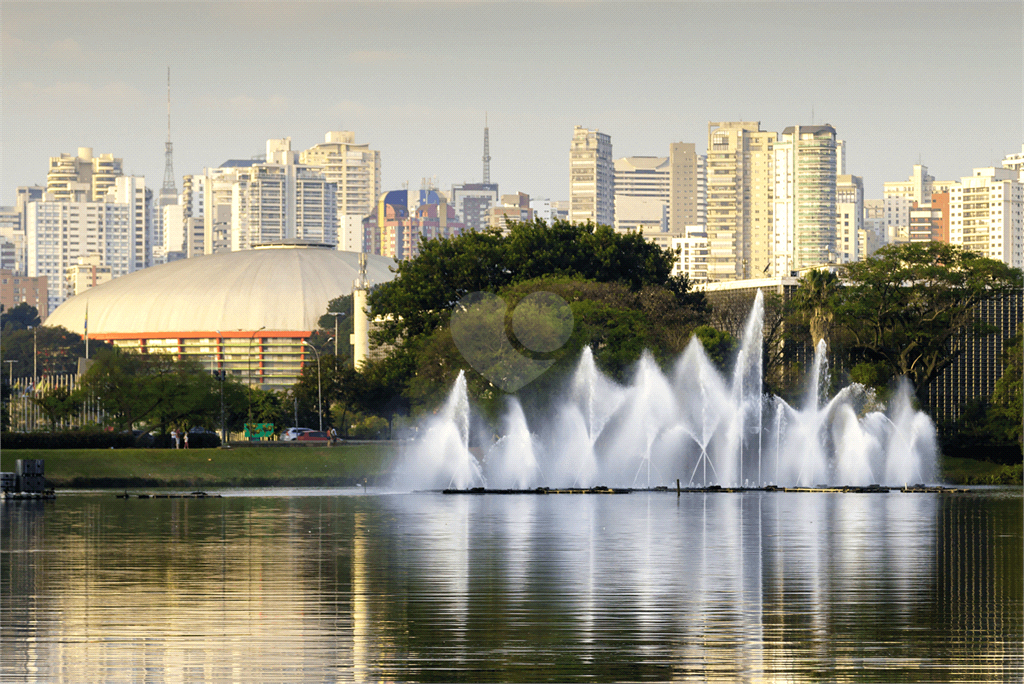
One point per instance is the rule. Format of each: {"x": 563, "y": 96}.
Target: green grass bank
{"x": 278, "y": 466}
{"x": 298, "y": 466}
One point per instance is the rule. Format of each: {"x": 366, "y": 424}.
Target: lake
{"x": 318, "y": 585}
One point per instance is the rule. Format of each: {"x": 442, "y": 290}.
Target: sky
{"x": 903, "y": 83}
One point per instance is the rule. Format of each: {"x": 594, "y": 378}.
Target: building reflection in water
{"x": 423, "y": 586}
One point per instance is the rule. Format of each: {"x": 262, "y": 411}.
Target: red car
{"x": 313, "y": 436}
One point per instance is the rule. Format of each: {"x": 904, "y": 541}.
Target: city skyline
{"x": 902, "y": 83}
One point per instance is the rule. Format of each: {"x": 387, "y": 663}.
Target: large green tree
{"x": 617, "y": 323}
{"x": 157, "y": 391}
{"x": 54, "y": 350}
{"x": 19, "y": 317}
{"x": 426, "y": 288}
{"x": 907, "y": 310}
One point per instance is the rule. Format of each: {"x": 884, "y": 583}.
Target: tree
{"x": 157, "y": 390}
{"x": 910, "y": 307}
{"x": 19, "y": 317}
{"x": 419, "y": 299}
{"x": 57, "y": 403}
{"x": 54, "y": 350}
{"x": 1008, "y": 397}
{"x": 341, "y": 305}
{"x": 816, "y": 298}
{"x": 617, "y": 323}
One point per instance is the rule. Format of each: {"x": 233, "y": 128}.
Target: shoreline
{"x": 281, "y": 465}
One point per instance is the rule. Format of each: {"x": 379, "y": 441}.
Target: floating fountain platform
{"x": 714, "y": 489}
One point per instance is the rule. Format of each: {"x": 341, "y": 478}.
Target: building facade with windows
{"x": 58, "y": 233}
{"x": 740, "y": 184}
{"x": 248, "y": 313}
{"x": 353, "y": 168}
{"x": 18, "y": 289}
{"x": 591, "y": 177}
{"x": 82, "y": 178}
{"x": 804, "y": 201}
{"x": 849, "y": 217}
{"x": 985, "y": 215}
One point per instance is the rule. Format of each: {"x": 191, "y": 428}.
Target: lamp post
{"x": 319, "y": 391}
{"x": 35, "y": 356}
{"x": 336, "y": 314}
{"x": 249, "y": 355}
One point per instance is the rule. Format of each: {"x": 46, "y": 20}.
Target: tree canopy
{"x": 19, "y": 317}
{"x": 907, "y": 310}
{"x": 426, "y": 288}
{"x": 157, "y": 390}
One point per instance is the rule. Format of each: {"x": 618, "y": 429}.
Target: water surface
{"x": 297, "y": 585}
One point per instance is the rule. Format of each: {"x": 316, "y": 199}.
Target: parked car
{"x": 313, "y": 436}
{"x": 292, "y": 434}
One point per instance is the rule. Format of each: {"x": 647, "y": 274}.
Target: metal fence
{"x": 27, "y": 415}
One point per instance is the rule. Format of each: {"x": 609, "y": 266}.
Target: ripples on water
{"x": 282, "y": 586}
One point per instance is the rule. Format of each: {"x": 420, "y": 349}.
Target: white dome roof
{"x": 283, "y": 288}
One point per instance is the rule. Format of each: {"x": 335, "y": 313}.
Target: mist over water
{"x": 695, "y": 424}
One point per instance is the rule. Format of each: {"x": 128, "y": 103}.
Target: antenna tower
{"x": 168, "y": 190}
{"x": 487, "y": 152}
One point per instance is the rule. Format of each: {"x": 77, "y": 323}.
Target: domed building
{"x": 248, "y": 312}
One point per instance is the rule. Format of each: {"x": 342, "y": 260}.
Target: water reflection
{"x": 426, "y": 587}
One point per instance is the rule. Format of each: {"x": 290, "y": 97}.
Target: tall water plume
{"x": 697, "y": 425}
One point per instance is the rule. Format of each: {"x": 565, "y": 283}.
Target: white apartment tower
{"x": 82, "y": 178}
{"x": 739, "y": 200}
{"x": 115, "y": 231}
{"x": 899, "y": 197}
{"x": 804, "y": 202}
{"x": 252, "y": 202}
{"x": 591, "y": 178}
{"x": 642, "y": 194}
{"x": 354, "y": 169}
{"x": 849, "y": 217}
{"x": 985, "y": 215}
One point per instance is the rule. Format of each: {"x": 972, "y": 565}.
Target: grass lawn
{"x": 198, "y": 468}
{"x": 306, "y": 466}
{"x": 969, "y": 471}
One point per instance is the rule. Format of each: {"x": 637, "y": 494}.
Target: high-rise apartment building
{"x": 900, "y": 196}
{"x": 642, "y": 194}
{"x": 82, "y": 178}
{"x": 849, "y": 217}
{"x": 687, "y": 204}
{"x": 252, "y": 202}
{"x": 804, "y": 211}
{"x": 1015, "y": 161}
{"x": 692, "y": 259}
{"x": 472, "y": 203}
{"x": 740, "y": 187}
{"x": 591, "y": 177}
{"x": 402, "y": 218}
{"x": 58, "y": 232}
{"x": 985, "y": 215}
{"x": 354, "y": 169}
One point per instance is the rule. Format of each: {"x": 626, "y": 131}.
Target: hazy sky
{"x": 903, "y": 83}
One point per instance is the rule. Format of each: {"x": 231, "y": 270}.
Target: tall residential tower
{"x": 591, "y": 178}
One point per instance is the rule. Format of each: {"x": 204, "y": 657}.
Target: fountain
{"x": 696, "y": 425}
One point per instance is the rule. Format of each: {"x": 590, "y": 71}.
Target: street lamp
{"x": 336, "y": 314}
{"x": 319, "y": 391}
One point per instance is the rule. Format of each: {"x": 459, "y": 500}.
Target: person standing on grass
{"x": 176, "y": 437}
{"x": 186, "y": 440}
